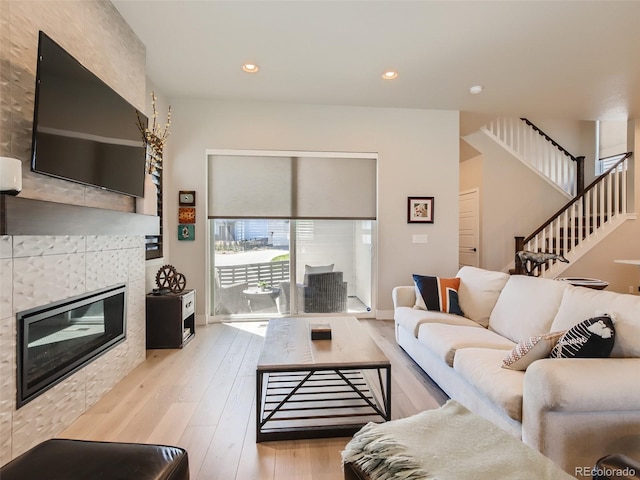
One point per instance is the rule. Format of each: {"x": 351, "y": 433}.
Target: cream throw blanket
{"x": 449, "y": 443}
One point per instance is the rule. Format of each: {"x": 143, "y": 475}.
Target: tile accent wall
{"x": 35, "y": 270}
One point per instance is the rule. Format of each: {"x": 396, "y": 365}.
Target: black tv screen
{"x": 83, "y": 130}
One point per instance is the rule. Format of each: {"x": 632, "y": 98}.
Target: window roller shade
{"x": 292, "y": 187}
{"x": 242, "y": 186}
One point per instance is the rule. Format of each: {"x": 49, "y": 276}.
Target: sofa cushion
{"x": 411, "y": 319}
{"x": 592, "y": 338}
{"x": 311, "y": 269}
{"x": 479, "y": 290}
{"x": 444, "y": 340}
{"x": 482, "y": 368}
{"x": 437, "y": 294}
{"x": 527, "y": 307}
{"x": 530, "y": 350}
{"x": 579, "y": 303}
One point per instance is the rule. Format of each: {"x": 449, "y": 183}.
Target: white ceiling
{"x": 553, "y": 59}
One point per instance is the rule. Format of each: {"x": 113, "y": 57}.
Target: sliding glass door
{"x": 250, "y": 265}
{"x": 254, "y": 261}
{"x": 291, "y": 233}
{"x": 333, "y": 266}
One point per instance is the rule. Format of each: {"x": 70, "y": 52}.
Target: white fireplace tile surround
{"x": 44, "y": 279}
{"x": 5, "y": 247}
{"x": 6, "y": 276}
{"x": 33, "y": 246}
{"x": 106, "y": 268}
{"x": 39, "y": 270}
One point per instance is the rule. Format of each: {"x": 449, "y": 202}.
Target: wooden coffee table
{"x": 319, "y": 388}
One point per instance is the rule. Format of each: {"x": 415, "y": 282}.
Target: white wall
{"x": 613, "y": 138}
{"x": 418, "y": 152}
{"x": 633, "y": 145}
{"x": 599, "y": 263}
{"x": 588, "y": 148}
{"x": 471, "y": 173}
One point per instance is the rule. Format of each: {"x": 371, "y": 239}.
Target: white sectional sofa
{"x": 574, "y": 410}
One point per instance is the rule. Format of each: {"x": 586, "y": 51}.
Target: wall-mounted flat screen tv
{"x": 83, "y": 131}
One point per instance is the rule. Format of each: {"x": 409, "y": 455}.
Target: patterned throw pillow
{"x": 530, "y": 350}
{"x": 592, "y": 338}
{"x": 438, "y": 294}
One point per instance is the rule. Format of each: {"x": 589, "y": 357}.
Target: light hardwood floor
{"x": 202, "y": 398}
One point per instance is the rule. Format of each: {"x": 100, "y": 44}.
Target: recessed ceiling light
{"x": 476, "y": 89}
{"x": 390, "y": 75}
{"x": 250, "y": 67}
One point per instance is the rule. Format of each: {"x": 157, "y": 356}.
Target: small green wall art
{"x": 186, "y": 232}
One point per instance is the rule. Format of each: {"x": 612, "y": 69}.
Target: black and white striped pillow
{"x": 592, "y": 338}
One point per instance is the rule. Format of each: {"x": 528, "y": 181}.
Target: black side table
{"x": 170, "y": 319}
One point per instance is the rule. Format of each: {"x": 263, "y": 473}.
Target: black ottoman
{"x": 60, "y": 459}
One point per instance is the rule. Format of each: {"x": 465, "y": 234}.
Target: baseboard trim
{"x": 384, "y": 314}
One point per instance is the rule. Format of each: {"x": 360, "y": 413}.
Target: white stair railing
{"x": 536, "y": 150}
{"x": 602, "y": 206}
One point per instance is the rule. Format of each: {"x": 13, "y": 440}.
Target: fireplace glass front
{"x": 56, "y": 340}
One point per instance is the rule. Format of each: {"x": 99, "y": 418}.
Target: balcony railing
{"x": 251, "y": 273}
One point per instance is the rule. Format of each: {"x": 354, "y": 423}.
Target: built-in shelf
{"x": 25, "y": 216}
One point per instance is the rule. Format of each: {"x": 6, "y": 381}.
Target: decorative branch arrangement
{"x": 155, "y": 137}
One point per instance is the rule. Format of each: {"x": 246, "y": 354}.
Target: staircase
{"x": 583, "y": 222}
{"x": 590, "y": 214}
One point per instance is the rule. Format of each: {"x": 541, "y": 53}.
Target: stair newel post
{"x": 518, "y": 264}
{"x": 579, "y": 175}
{"x": 580, "y": 185}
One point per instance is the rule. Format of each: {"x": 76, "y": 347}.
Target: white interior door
{"x": 469, "y": 253}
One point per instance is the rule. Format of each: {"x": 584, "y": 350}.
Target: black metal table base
{"x": 321, "y": 402}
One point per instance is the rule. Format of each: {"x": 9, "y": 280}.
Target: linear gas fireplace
{"x": 56, "y": 340}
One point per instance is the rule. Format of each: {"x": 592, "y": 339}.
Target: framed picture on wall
{"x": 187, "y": 198}
{"x": 186, "y": 215}
{"x": 187, "y": 232}
{"x": 420, "y": 210}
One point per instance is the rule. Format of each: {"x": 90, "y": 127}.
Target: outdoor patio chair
{"x": 229, "y": 299}
{"x": 325, "y": 292}
{"x": 283, "y": 300}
